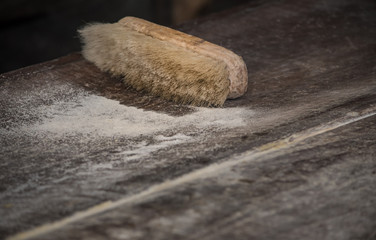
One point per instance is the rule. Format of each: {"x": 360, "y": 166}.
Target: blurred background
{"x": 41, "y": 30}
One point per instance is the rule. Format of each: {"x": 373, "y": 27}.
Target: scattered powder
{"x": 90, "y": 117}
{"x": 143, "y": 149}
{"x": 108, "y": 118}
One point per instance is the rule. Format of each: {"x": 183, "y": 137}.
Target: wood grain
{"x": 315, "y": 188}
{"x": 311, "y": 73}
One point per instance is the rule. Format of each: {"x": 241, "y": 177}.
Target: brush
{"x": 165, "y": 62}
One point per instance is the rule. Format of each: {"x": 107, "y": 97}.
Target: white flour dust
{"x": 104, "y": 117}
{"x": 92, "y": 117}
{"x": 144, "y": 149}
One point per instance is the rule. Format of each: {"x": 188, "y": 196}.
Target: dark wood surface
{"x": 83, "y": 157}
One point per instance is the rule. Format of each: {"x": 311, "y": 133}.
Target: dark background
{"x": 41, "y": 30}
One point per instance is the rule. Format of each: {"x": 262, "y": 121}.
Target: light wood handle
{"x": 238, "y": 75}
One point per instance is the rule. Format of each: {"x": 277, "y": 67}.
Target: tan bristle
{"x": 157, "y": 66}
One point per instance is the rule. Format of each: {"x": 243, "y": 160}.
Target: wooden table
{"x": 83, "y": 157}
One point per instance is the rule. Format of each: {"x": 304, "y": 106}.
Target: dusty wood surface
{"x": 82, "y": 157}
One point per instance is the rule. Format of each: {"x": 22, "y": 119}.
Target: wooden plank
{"x": 320, "y": 186}
{"x": 67, "y": 144}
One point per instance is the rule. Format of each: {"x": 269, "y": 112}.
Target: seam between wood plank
{"x": 260, "y": 153}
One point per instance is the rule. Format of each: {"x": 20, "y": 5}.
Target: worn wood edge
{"x": 261, "y": 153}
{"x": 42, "y": 66}
{"x": 236, "y": 67}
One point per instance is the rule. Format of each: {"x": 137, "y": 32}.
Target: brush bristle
{"x": 155, "y": 66}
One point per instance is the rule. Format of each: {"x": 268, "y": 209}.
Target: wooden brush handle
{"x": 238, "y": 75}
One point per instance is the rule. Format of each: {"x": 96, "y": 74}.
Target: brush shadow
{"x": 105, "y": 85}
